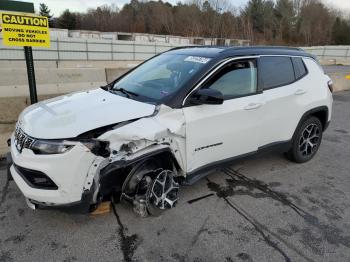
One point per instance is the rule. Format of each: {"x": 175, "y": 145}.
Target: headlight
{"x": 46, "y": 147}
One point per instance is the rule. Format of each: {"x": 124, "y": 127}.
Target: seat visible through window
{"x": 235, "y": 80}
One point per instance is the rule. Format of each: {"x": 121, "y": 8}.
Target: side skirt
{"x": 201, "y": 172}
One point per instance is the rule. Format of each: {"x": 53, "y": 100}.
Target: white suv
{"x": 167, "y": 123}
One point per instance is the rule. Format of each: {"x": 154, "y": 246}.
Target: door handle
{"x": 253, "y": 106}
{"x": 300, "y": 92}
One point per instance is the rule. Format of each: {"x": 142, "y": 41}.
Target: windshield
{"x": 160, "y": 77}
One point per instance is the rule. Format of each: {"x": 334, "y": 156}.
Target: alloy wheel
{"x": 309, "y": 140}
{"x": 164, "y": 191}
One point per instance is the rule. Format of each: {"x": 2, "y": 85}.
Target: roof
{"x": 216, "y": 51}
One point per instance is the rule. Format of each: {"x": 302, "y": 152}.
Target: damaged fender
{"x": 164, "y": 129}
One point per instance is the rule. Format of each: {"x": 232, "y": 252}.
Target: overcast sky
{"x": 58, "y": 6}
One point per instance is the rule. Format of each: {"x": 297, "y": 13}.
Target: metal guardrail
{"x": 70, "y": 49}
{"x": 97, "y": 50}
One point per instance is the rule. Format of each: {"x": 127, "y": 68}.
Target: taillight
{"x": 330, "y": 85}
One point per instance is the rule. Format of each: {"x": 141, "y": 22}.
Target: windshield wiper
{"x": 108, "y": 86}
{"x": 124, "y": 91}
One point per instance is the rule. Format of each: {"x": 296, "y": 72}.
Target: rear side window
{"x": 299, "y": 67}
{"x": 276, "y": 71}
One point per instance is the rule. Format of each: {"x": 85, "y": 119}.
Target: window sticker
{"x": 197, "y": 59}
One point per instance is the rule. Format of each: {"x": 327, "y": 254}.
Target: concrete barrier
{"x": 340, "y": 77}
{"x": 113, "y": 73}
{"x": 14, "y": 83}
{"x": 335, "y": 61}
{"x": 340, "y": 81}
{"x": 10, "y": 108}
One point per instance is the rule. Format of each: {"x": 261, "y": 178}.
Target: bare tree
{"x": 290, "y": 22}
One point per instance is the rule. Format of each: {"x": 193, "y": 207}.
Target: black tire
{"x": 306, "y": 140}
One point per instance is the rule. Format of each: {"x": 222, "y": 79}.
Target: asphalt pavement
{"x": 261, "y": 209}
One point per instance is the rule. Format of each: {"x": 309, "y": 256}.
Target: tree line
{"x": 280, "y": 22}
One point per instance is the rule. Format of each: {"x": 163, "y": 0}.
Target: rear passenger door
{"x": 281, "y": 80}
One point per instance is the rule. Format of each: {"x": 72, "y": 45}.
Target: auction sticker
{"x": 25, "y": 30}
{"x": 197, "y": 59}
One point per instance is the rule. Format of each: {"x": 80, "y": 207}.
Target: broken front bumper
{"x": 67, "y": 172}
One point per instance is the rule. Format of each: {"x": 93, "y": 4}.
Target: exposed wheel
{"x": 154, "y": 190}
{"x": 162, "y": 192}
{"x": 306, "y": 141}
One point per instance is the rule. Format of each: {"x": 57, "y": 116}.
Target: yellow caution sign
{"x": 25, "y": 30}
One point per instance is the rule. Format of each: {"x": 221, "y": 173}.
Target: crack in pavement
{"x": 238, "y": 179}
{"x": 199, "y": 232}
{"x": 4, "y": 193}
{"x": 258, "y": 228}
{"x": 128, "y": 244}
{"x": 332, "y": 234}
{"x": 225, "y": 192}
{"x": 195, "y": 238}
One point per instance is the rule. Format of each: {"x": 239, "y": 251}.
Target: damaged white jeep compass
{"x": 166, "y": 123}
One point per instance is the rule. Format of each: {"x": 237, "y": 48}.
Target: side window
{"x": 276, "y": 71}
{"x": 299, "y": 67}
{"x": 235, "y": 79}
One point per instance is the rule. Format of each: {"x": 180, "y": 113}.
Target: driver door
{"x": 216, "y": 133}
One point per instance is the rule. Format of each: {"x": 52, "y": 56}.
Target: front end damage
{"x": 145, "y": 164}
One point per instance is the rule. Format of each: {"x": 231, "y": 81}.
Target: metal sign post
{"x": 17, "y": 6}
{"x": 28, "y": 52}
{"x": 25, "y": 29}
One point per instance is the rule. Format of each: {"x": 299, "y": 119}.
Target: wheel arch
{"x": 118, "y": 174}
{"x": 293, "y": 154}
{"x": 320, "y": 112}
{"x": 164, "y": 158}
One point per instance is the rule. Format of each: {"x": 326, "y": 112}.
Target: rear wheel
{"x": 306, "y": 141}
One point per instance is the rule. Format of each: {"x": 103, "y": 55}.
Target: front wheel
{"x": 306, "y": 141}
{"x": 156, "y": 192}
{"x": 162, "y": 193}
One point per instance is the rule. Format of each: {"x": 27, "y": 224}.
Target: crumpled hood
{"x": 71, "y": 115}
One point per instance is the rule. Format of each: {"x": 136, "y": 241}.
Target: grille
{"x": 22, "y": 140}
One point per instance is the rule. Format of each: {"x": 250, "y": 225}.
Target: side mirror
{"x": 207, "y": 97}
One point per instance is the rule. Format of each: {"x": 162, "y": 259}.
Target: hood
{"x": 71, "y": 115}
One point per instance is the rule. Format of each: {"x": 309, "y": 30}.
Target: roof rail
{"x": 230, "y": 48}
{"x": 185, "y": 46}
{"x": 263, "y": 47}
